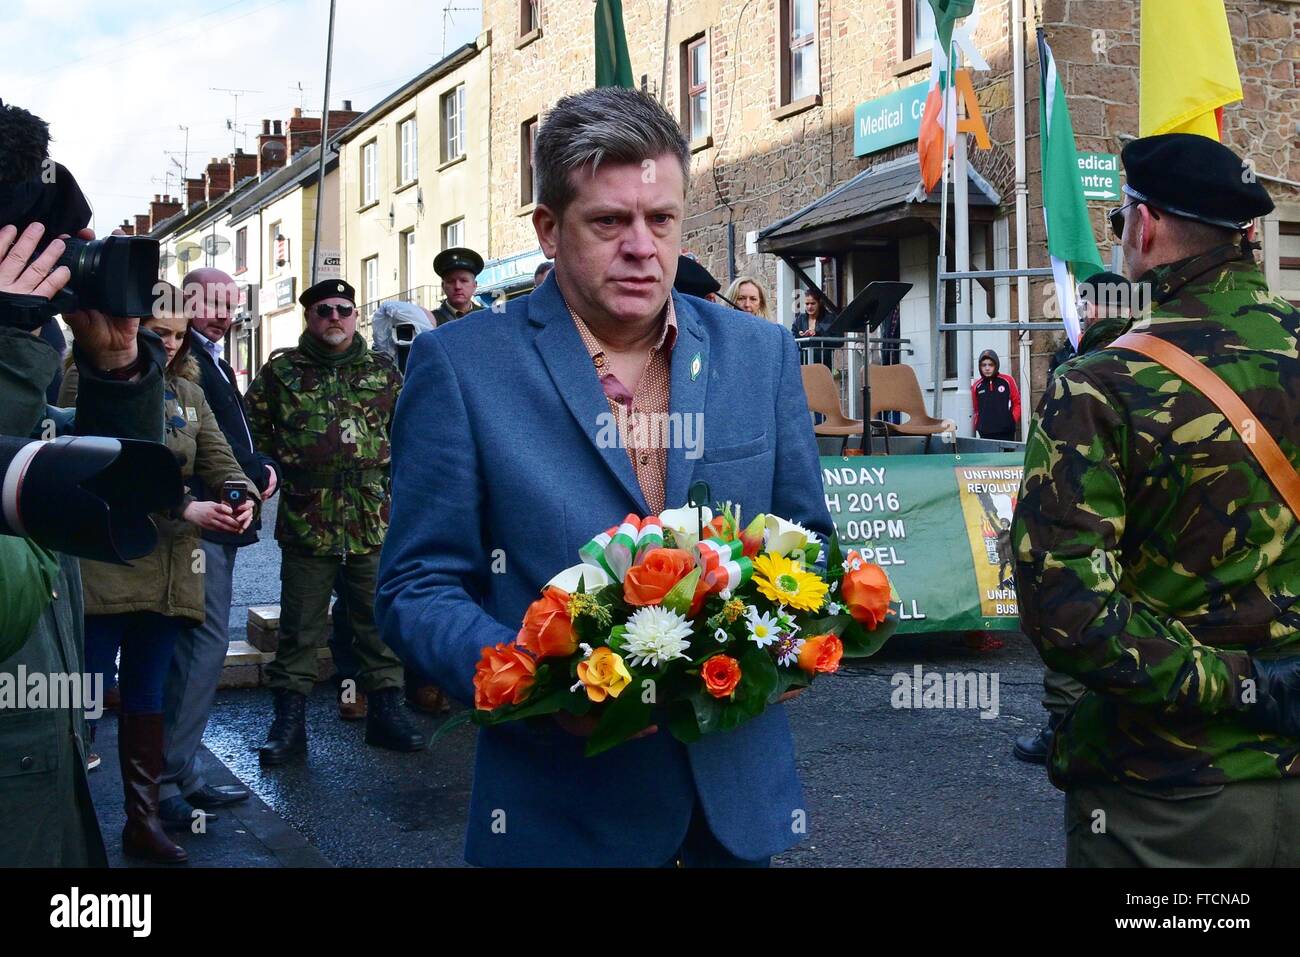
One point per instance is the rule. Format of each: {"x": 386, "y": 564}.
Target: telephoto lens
{"x": 87, "y": 495}
{"x": 115, "y": 275}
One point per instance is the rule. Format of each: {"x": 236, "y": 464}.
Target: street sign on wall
{"x": 1099, "y": 173}
{"x": 889, "y": 120}
{"x": 940, "y": 527}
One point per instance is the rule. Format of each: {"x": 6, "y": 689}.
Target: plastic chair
{"x": 824, "y": 398}
{"x": 894, "y": 388}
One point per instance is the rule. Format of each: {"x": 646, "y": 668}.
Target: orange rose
{"x": 866, "y": 593}
{"x": 721, "y": 674}
{"x": 504, "y": 675}
{"x": 547, "y": 630}
{"x": 821, "y": 654}
{"x": 659, "y": 571}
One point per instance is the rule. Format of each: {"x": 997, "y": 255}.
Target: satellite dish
{"x": 187, "y": 251}
{"x": 273, "y": 151}
{"x": 215, "y": 245}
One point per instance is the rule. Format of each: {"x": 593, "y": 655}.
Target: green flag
{"x": 946, "y": 15}
{"x": 613, "y": 66}
{"x": 1070, "y": 241}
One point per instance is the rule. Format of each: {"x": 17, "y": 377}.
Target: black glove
{"x": 1277, "y": 696}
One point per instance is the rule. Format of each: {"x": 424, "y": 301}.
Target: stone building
{"x": 772, "y": 92}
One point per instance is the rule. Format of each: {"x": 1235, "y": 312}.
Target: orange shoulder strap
{"x": 1266, "y": 451}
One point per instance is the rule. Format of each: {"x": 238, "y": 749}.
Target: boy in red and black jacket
{"x": 996, "y": 401}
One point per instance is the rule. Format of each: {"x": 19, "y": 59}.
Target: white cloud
{"x": 135, "y": 72}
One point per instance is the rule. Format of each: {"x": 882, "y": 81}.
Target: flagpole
{"x": 324, "y": 141}
{"x": 940, "y": 298}
{"x": 961, "y": 227}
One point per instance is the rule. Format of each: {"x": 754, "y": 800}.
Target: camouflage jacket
{"x": 1153, "y": 555}
{"x": 325, "y": 419}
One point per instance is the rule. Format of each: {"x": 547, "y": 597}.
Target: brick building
{"x": 768, "y": 91}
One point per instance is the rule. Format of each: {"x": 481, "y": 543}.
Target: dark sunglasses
{"x": 324, "y": 311}
{"x": 1116, "y": 216}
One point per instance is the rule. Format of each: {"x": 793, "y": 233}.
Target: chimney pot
{"x": 297, "y": 112}
{"x": 347, "y": 106}
{"x": 275, "y": 128}
{"x": 266, "y": 127}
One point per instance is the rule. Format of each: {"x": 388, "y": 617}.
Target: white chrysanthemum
{"x": 763, "y": 628}
{"x": 655, "y": 636}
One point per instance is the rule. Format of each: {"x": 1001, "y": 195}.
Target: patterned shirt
{"x": 642, "y": 416}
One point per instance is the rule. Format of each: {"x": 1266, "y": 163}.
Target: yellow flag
{"x": 1189, "y": 69}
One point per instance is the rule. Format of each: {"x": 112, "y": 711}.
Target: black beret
{"x": 1194, "y": 177}
{"x": 693, "y": 279}
{"x": 457, "y": 257}
{"x": 326, "y": 289}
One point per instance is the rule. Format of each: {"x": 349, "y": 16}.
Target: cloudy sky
{"x": 116, "y": 79}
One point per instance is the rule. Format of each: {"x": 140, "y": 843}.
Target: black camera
{"x": 115, "y": 275}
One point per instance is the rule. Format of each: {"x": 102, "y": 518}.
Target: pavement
{"x": 886, "y": 786}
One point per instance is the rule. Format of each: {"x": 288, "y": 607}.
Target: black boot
{"x": 1036, "y": 747}
{"x": 387, "y": 724}
{"x": 288, "y": 734}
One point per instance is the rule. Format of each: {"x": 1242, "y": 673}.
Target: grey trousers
{"x": 1246, "y": 824}
{"x": 191, "y": 685}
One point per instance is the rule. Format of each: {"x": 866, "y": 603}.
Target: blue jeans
{"x": 146, "y": 640}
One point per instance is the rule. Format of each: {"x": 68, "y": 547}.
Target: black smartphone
{"x": 234, "y": 494}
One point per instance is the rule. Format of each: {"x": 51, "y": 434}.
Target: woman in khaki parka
{"x": 141, "y": 608}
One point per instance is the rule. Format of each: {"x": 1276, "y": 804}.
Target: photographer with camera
{"x": 142, "y": 609}
{"x": 47, "y": 818}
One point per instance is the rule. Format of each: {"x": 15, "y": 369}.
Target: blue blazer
{"x": 498, "y": 480}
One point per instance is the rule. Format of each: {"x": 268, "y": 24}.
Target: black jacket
{"x": 228, "y": 408}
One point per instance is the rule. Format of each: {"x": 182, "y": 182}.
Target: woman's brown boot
{"x": 140, "y": 749}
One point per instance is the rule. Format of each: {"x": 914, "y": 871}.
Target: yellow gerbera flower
{"x": 783, "y": 581}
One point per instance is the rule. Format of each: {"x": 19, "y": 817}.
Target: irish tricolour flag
{"x": 941, "y": 102}
{"x": 1070, "y": 241}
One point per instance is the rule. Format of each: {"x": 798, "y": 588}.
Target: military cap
{"x": 457, "y": 257}
{"x": 326, "y": 289}
{"x": 1194, "y": 177}
{"x": 693, "y": 279}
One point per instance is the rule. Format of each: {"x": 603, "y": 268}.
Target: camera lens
{"x": 115, "y": 275}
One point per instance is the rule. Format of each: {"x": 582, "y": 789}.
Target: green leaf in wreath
{"x": 861, "y": 643}
{"x": 454, "y": 722}
{"x": 624, "y": 716}
{"x": 682, "y": 722}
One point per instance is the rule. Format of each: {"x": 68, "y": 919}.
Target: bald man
{"x": 209, "y": 300}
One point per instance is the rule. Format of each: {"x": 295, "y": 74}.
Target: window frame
{"x": 455, "y": 95}
{"x": 527, "y": 171}
{"x": 785, "y": 40}
{"x": 241, "y": 250}
{"x": 369, "y": 292}
{"x": 369, "y": 173}
{"x": 691, "y": 90}
{"x": 459, "y": 224}
{"x": 907, "y": 22}
{"x": 405, "y": 177}
{"x": 530, "y": 17}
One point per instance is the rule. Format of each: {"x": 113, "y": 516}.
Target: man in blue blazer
{"x": 503, "y": 468}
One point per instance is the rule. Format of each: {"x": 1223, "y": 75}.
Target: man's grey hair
{"x": 607, "y": 124}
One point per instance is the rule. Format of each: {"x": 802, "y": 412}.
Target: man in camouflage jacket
{"x": 1156, "y": 562}
{"x": 323, "y": 411}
